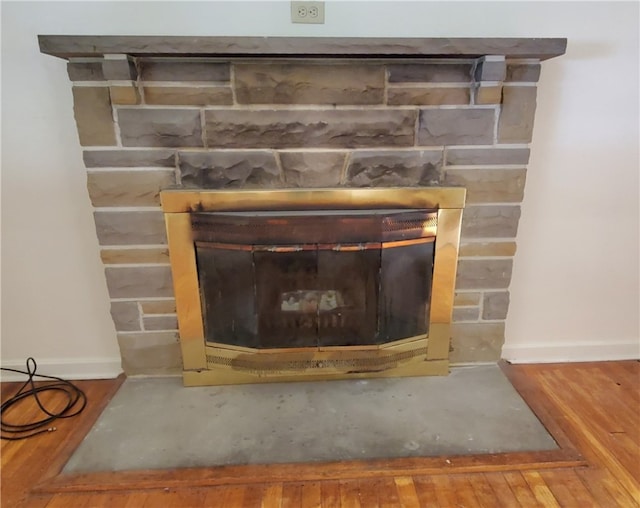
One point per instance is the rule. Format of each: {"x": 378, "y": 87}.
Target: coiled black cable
{"x": 76, "y": 402}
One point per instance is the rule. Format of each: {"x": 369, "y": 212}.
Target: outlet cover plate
{"x": 307, "y": 12}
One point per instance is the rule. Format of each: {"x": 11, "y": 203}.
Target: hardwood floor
{"x": 592, "y": 409}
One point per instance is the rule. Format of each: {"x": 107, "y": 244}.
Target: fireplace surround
{"x": 226, "y": 114}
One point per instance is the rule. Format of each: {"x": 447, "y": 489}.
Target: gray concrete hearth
{"x": 155, "y": 423}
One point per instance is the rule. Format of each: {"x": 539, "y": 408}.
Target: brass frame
{"x": 422, "y": 355}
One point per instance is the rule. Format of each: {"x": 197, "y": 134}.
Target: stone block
{"x": 524, "y": 73}
{"x": 150, "y": 353}
{"x": 488, "y": 249}
{"x": 465, "y": 314}
{"x": 121, "y": 68}
{"x": 430, "y": 73}
{"x": 124, "y": 95}
{"x": 180, "y": 70}
{"x": 94, "y": 118}
{"x": 188, "y": 95}
{"x": 488, "y": 185}
{"x": 128, "y": 188}
{"x": 484, "y": 273}
{"x": 129, "y": 158}
{"x": 517, "y": 113}
{"x": 135, "y": 255}
{"x": 169, "y": 322}
{"x": 468, "y": 126}
{"x": 126, "y": 316}
{"x": 312, "y": 169}
{"x": 134, "y": 228}
{"x": 490, "y": 68}
{"x": 158, "y": 306}
{"x": 495, "y": 305}
{"x": 488, "y": 94}
{"x": 486, "y": 156}
{"x": 476, "y": 342}
{"x": 500, "y": 221}
{"x": 428, "y": 96}
{"x": 338, "y": 84}
{"x": 139, "y": 281}
{"x": 284, "y": 128}
{"x": 160, "y": 127}
{"x": 85, "y": 71}
{"x": 394, "y": 168}
{"x": 466, "y": 299}
{"x": 229, "y": 169}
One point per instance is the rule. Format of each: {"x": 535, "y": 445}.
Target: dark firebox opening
{"x": 314, "y": 279}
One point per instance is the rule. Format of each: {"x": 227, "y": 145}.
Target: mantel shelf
{"x": 85, "y": 46}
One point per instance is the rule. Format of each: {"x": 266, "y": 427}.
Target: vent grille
{"x": 265, "y": 366}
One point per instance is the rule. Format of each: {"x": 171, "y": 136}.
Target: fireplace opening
{"x": 292, "y": 279}
{"x": 293, "y": 284}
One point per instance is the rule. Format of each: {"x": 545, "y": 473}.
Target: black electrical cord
{"x": 76, "y": 398}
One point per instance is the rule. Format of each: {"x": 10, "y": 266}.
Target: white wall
{"x": 575, "y": 283}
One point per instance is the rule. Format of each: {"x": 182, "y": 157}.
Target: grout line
{"x": 135, "y": 169}
{"x": 116, "y": 123}
{"x": 140, "y": 317}
{"x": 128, "y": 208}
{"x": 134, "y": 265}
{"x": 134, "y": 246}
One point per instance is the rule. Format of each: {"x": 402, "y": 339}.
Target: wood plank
{"x": 540, "y": 489}
{"x": 387, "y": 493}
{"x": 521, "y": 489}
{"x": 291, "y": 495}
{"x": 67, "y": 500}
{"x": 330, "y": 494}
{"x": 593, "y": 484}
{"x": 369, "y": 492}
{"x": 568, "y": 489}
{"x": 501, "y": 488}
{"x": 349, "y": 494}
{"x": 407, "y": 492}
{"x": 464, "y": 492}
{"x": 426, "y": 491}
{"x": 226, "y": 496}
{"x": 445, "y": 495}
{"x": 311, "y": 495}
{"x": 611, "y": 462}
{"x": 253, "y": 496}
{"x": 484, "y": 494}
{"x": 22, "y": 461}
{"x": 272, "y": 497}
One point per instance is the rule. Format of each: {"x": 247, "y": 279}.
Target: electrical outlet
{"x": 307, "y": 12}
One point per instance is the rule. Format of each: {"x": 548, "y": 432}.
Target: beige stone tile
{"x": 309, "y": 84}
{"x": 94, "y": 118}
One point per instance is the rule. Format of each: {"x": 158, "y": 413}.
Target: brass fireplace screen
{"x": 286, "y": 285}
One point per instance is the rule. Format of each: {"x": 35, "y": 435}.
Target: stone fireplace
{"x": 163, "y": 115}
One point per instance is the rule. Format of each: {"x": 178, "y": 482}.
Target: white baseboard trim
{"x": 576, "y": 352}
{"x": 66, "y": 368}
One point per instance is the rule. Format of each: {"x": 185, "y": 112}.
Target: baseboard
{"x": 66, "y": 368}
{"x": 575, "y": 352}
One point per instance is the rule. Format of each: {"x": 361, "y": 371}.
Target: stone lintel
{"x": 69, "y": 46}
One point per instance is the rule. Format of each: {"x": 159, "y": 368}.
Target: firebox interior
{"x": 306, "y": 280}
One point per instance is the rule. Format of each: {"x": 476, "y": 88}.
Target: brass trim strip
{"x": 404, "y": 243}
{"x": 225, "y": 376}
{"x": 184, "y": 272}
{"x": 182, "y": 201}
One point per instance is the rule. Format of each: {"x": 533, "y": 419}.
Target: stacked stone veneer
{"x": 150, "y": 124}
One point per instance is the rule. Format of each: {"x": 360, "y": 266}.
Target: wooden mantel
{"x": 76, "y": 46}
